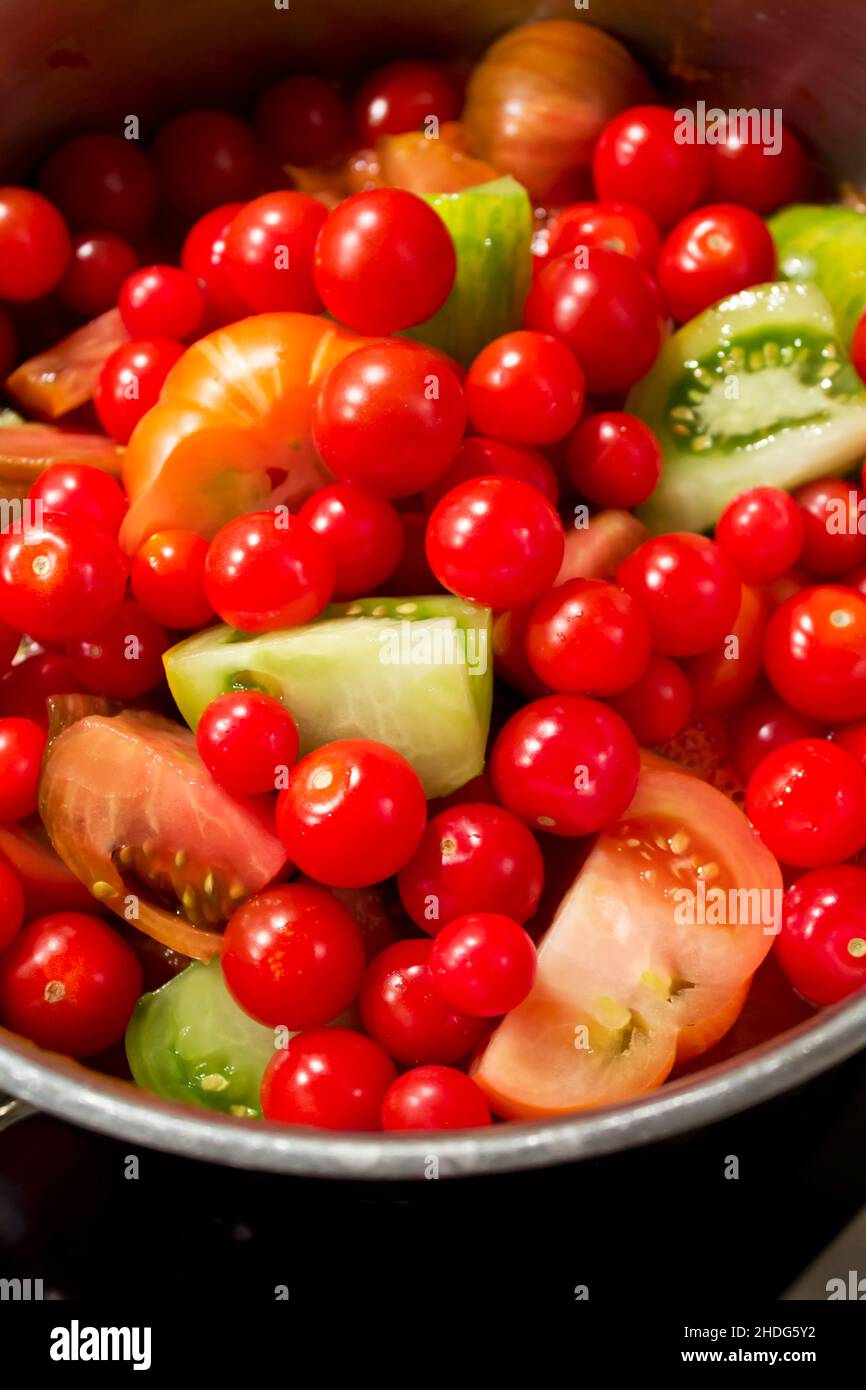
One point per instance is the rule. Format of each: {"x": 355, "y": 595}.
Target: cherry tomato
{"x": 484, "y": 458}
{"x": 167, "y": 577}
{"x": 473, "y": 857}
{"x": 434, "y": 1097}
{"x": 807, "y": 801}
{"x": 122, "y": 658}
{"x": 11, "y": 906}
{"x": 850, "y": 736}
{"x": 565, "y": 764}
{"x": 330, "y": 1078}
{"x": 834, "y": 517}
{"x": 587, "y": 637}
{"x": 203, "y": 257}
{"x": 61, "y": 579}
{"x": 724, "y": 675}
{"x": 363, "y": 532}
{"x": 293, "y": 956}
{"x": 102, "y": 181}
{"x": 384, "y": 261}
{"x": 98, "y": 265}
{"x": 401, "y": 96}
{"x": 713, "y": 252}
{"x": 403, "y": 1010}
{"x": 614, "y": 459}
{"x": 608, "y": 311}
{"x": 25, "y": 688}
{"x": 619, "y": 227}
{"x": 269, "y": 252}
{"x": 160, "y": 301}
{"x": 248, "y": 741}
{"x": 822, "y": 945}
{"x": 83, "y": 492}
{"x": 206, "y": 158}
{"x": 302, "y": 119}
{"x": 762, "y": 532}
{"x": 389, "y": 417}
{"x": 525, "y": 388}
{"x": 658, "y": 705}
{"x": 353, "y": 813}
{"x": 761, "y": 729}
{"x": 483, "y": 964}
{"x": 815, "y": 653}
{"x": 638, "y": 159}
{"x": 496, "y": 541}
{"x": 22, "y": 743}
{"x": 130, "y": 383}
{"x": 267, "y": 570}
{"x": 688, "y": 589}
{"x": 34, "y": 245}
{"x": 69, "y": 983}
{"x": 753, "y": 174}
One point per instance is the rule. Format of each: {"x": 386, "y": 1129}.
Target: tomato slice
{"x": 640, "y": 960}
{"x": 231, "y": 432}
{"x": 64, "y": 377}
{"x": 421, "y": 165}
{"x": 133, "y": 812}
{"x": 48, "y": 885}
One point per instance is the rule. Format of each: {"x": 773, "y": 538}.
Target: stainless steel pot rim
{"x": 116, "y": 1108}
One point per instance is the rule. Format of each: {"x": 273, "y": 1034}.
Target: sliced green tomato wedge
{"x": 415, "y": 673}
{"x": 827, "y": 245}
{"x": 756, "y": 390}
{"x": 491, "y": 226}
{"x": 190, "y": 1041}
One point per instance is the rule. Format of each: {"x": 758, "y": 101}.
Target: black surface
{"x": 663, "y": 1221}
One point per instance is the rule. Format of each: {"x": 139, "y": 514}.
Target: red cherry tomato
{"x": 815, "y": 653}
{"x": 483, "y": 964}
{"x": 302, "y": 119}
{"x": 755, "y": 175}
{"x": 614, "y": 460}
{"x": 82, "y": 492}
{"x": 713, "y": 252}
{"x": 484, "y": 458}
{"x": 434, "y": 1097}
{"x": 565, "y": 764}
{"x": 34, "y": 245}
{"x": 11, "y": 906}
{"x": 688, "y": 589}
{"x": 384, "y": 261}
{"x": 98, "y": 265}
{"x": 25, "y": 688}
{"x": 269, "y": 252}
{"x": 331, "y": 1078}
{"x": 22, "y": 744}
{"x": 834, "y": 517}
{"x": 724, "y": 676}
{"x": 401, "y": 96}
{"x": 102, "y": 181}
{"x": 248, "y": 740}
{"x": 822, "y": 945}
{"x": 525, "y": 388}
{"x": 807, "y": 800}
{"x": 160, "y": 301}
{"x": 473, "y": 857}
{"x": 609, "y": 312}
{"x": 60, "y": 580}
{"x": 206, "y": 158}
{"x": 167, "y": 577}
{"x": 363, "y": 532}
{"x": 761, "y": 729}
{"x": 402, "y": 1009}
{"x": 293, "y": 956}
{"x": 69, "y": 983}
{"x": 203, "y": 257}
{"x": 587, "y": 637}
{"x": 130, "y": 383}
{"x": 619, "y": 227}
{"x": 496, "y": 541}
{"x": 123, "y": 658}
{"x": 638, "y": 159}
{"x": 353, "y": 813}
{"x": 389, "y": 418}
{"x": 658, "y": 705}
{"x": 762, "y": 531}
{"x": 267, "y": 570}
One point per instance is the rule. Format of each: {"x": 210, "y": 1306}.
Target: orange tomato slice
{"x": 64, "y": 377}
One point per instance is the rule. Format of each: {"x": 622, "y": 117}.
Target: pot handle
{"x": 12, "y": 1110}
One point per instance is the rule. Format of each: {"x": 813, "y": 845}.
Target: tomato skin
{"x": 267, "y": 570}
{"x": 609, "y": 313}
{"x": 478, "y": 457}
{"x": 205, "y": 158}
{"x": 22, "y": 744}
{"x": 852, "y": 737}
{"x": 639, "y": 160}
{"x": 167, "y": 577}
{"x": 724, "y": 676}
{"x": 98, "y": 265}
{"x": 102, "y": 181}
{"x": 822, "y": 945}
{"x": 293, "y": 957}
{"x": 834, "y": 538}
{"x": 815, "y": 653}
{"x": 302, "y": 119}
{"x": 495, "y": 541}
{"x": 160, "y": 301}
{"x": 434, "y": 1097}
{"x": 402, "y": 1009}
{"x": 473, "y": 857}
{"x": 587, "y": 637}
{"x": 565, "y": 764}
{"x": 34, "y": 245}
{"x": 246, "y": 739}
{"x": 763, "y": 727}
{"x": 69, "y": 983}
{"x": 363, "y": 531}
{"x": 401, "y": 96}
{"x": 61, "y": 580}
{"x": 483, "y": 964}
{"x": 11, "y": 906}
{"x": 121, "y": 658}
{"x": 742, "y": 172}
{"x": 203, "y": 257}
{"x": 688, "y": 589}
{"x": 658, "y": 705}
{"x": 25, "y": 688}
{"x": 621, "y": 227}
{"x": 525, "y": 388}
{"x": 384, "y": 261}
{"x": 762, "y": 531}
{"x": 83, "y": 492}
{"x": 330, "y": 1078}
{"x": 269, "y": 252}
{"x": 353, "y": 813}
{"x": 713, "y": 252}
{"x": 130, "y": 383}
{"x": 614, "y": 459}
{"x": 807, "y": 800}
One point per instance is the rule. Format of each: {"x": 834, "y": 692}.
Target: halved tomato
{"x": 48, "y": 885}
{"x": 64, "y": 377}
{"x": 231, "y": 432}
{"x": 649, "y": 952}
{"x": 134, "y": 813}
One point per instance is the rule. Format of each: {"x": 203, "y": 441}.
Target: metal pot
{"x": 98, "y": 62}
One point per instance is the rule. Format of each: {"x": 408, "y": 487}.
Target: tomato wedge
{"x": 231, "y": 432}
{"x": 649, "y": 953}
{"x": 64, "y": 376}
